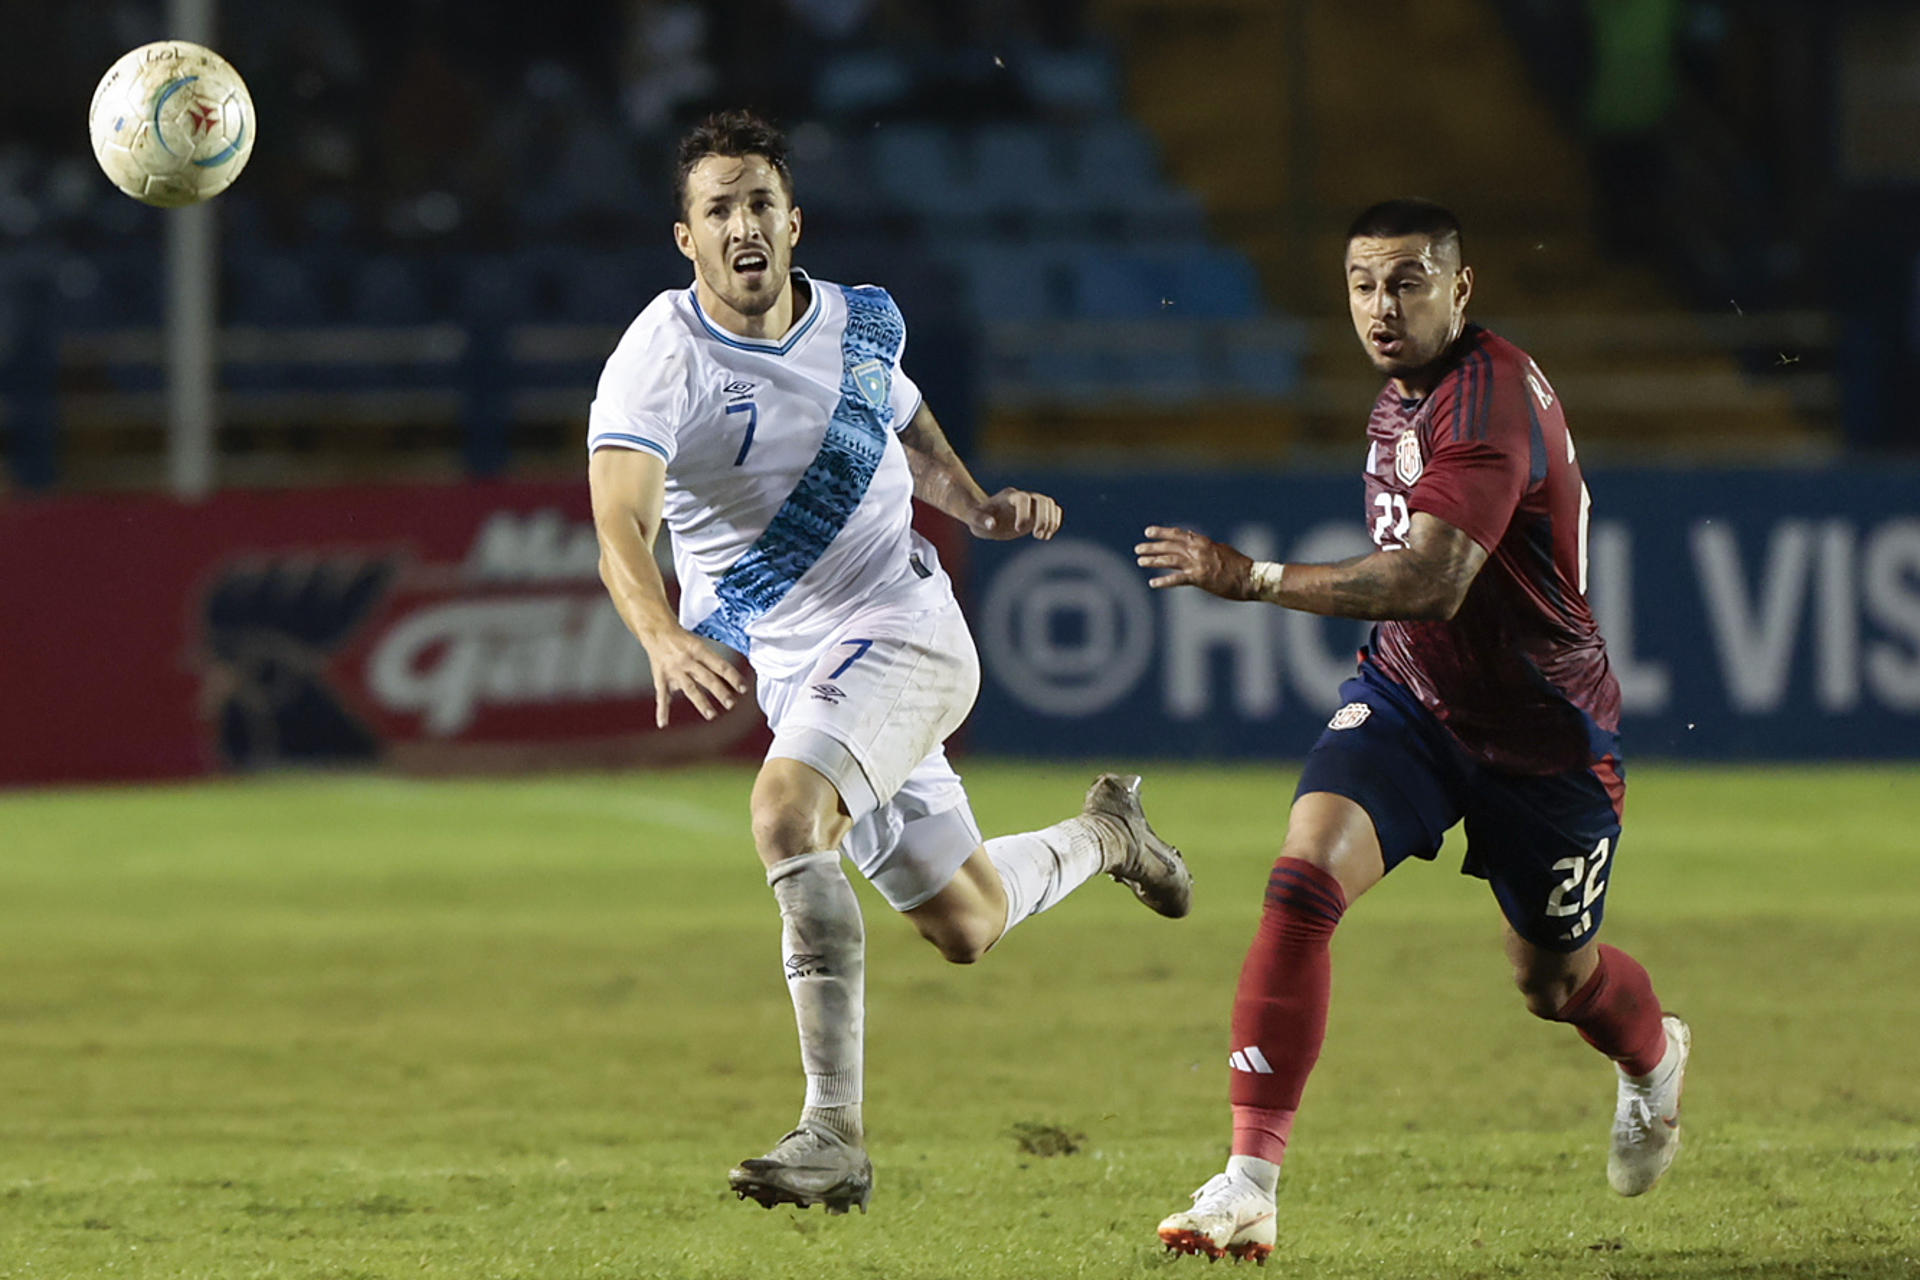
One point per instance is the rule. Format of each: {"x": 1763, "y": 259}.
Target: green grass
{"x": 354, "y": 1027}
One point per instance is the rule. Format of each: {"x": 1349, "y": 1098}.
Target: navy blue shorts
{"x": 1544, "y": 843}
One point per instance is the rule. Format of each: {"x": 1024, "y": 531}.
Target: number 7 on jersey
{"x": 752, "y": 411}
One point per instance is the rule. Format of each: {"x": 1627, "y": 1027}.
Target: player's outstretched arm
{"x": 941, "y": 480}
{"x": 1426, "y": 579}
{"x": 629, "y": 490}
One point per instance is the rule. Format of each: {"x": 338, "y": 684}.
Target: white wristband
{"x": 1265, "y": 578}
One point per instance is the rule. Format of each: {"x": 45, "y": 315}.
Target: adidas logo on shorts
{"x": 1350, "y": 716}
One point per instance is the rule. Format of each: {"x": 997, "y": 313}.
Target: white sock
{"x": 823, "y": 947}
{"x": 1264, "y": 1174}
{"x": 1669, "y": 1063}
{"x": 1038, "y": 868}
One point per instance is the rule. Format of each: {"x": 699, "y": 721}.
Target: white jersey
{"x": 787, "y": 493}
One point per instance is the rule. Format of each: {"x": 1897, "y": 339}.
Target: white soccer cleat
{"x": 807, "y": 1167}
{"x": 1148, "y": 865}
{"x": 1646, "y": 1119}
{"x": 1230, "y": 1218}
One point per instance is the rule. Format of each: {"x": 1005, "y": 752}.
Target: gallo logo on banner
{"x": 431, "y": 628}
{"x": 509, "y": 655}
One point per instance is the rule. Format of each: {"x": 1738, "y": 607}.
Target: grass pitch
{"x": 354, "y": 1027}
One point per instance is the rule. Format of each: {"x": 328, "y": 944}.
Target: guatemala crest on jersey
{"x": 1407, "y": 463}
{"x": 872, "y": 380}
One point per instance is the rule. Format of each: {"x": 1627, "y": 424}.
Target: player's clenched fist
{"x": 1015, "y": 513}
{"x": 1193, "y": 559}
{"x": 684, "y": 663}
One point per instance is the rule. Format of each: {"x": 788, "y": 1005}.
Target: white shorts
{"x": 870, "y": 715}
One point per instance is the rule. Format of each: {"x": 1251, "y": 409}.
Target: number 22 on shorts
{"x": 1585, "y": 882}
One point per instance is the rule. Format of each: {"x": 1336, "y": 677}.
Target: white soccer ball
{"x": 172, "y": 123}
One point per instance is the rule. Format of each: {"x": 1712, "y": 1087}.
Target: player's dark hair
{"x": 733, "y": 134}
{"x": 1409, "y": 217}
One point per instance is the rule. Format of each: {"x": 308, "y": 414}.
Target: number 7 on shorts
{"x": 859, "y": 648}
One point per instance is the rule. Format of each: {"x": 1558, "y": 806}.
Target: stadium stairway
{"x": 1288, "y": 117}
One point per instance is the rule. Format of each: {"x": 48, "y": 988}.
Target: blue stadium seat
{"x": 916, "y": 167}
{"x": 1191, "y": 280}
{"x": 592, "y": 172}
{"x": 1016, "y": 169}
{"x": 388, "y": 290}
{"x": 492, "y": 287}
{"x": 100, "y": 290}
{"x": 610, "y": 288}
{"x": 1217, "y": 283}
{"x": 1114, "y": 161}
{"x": 1261, "y": 366}
{"x": 868, "y": 80}
{"x": 1118, "y": 284}
{"x": 834, "y": 178}
{"x": 273, "y": 289}
{"x": 1010, "y": 282}
{"x": 1167, "y": 370}
{"x": 1080, "y": 82}
{"x": 1172, "y": 371}
{"x": 1116, "y": 167}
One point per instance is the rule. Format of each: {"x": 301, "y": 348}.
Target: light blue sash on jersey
{"x": 825, "y": 499}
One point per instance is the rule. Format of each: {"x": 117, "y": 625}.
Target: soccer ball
{"x": 172, "y": 123}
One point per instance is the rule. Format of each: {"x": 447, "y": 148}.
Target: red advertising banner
{"x": 431, "y": 628}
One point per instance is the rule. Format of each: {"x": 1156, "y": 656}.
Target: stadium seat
{"x": 1017, "y": 170}
{"x": 1079, "y": 82}
{"x": 1214, "y": 283}
{"x": 388, "y": 290}
{"x": 1010, "y": 282}
{"x": 1114, "y": 162}
{"x": 916, "y": 167}
{"x": 1190, "y": 280}
{"x": 863, "y": 81}
{"x": 491, "y": 287}
{"x": 1262, "y": 364}
{"x": 273, "y": 289}
{"x": 1115, "y": 168}
{"x": 1119, "y": 284}
{"x": 610, "y": 288}
{"x": 100, "y": 290}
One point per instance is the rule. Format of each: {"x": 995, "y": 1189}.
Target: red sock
{"x": 1280, "y": 1008}
{"x": 1617, "y": 1013}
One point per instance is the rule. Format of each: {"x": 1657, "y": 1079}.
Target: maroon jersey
{"x": 1520, "y": 672}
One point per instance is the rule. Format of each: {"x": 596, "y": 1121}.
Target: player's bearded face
{"x": 739, "y": 230}
{"x": 1408, "y": 298}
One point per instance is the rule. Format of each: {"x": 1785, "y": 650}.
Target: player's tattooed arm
{"x": 629, "y": 492}
{"x": 1425, "y": 580}
{"x": 941, "y": 480}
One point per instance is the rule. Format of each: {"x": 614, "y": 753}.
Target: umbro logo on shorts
{"x": 739, "y": 389}
{"x": 1350, "y": 716}
{"x": 828, "y": 692}
{"x": 1251, "y": 1061}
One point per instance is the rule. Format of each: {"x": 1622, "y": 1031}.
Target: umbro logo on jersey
{"x": 828, "y": 692}
{"x": 739, "y": 389}
{"x": 1251, "y": 1061}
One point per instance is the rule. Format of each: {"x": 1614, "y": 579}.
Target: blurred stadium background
{"x": 295, "y": 482}
{"x": 1114, "y": 228}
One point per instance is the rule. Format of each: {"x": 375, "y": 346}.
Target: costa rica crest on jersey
{"x": 1407, "y": 462}
{"x": 871, "y": 379}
